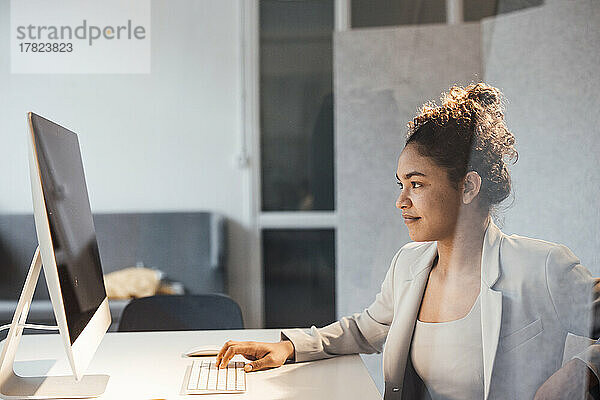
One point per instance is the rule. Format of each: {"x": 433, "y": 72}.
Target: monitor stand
{"x": 13, "y": 386}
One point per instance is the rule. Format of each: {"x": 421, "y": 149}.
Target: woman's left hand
{"x": 570, "y": 382}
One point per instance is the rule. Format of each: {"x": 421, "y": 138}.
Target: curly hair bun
{"x": 468, "y": 133}
{"x": 484, "y": 95}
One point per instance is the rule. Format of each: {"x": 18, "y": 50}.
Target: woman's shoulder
{"x": 535, "y": 258}
{"x": 535, "y": 263}
{"x": 533, "y": 247}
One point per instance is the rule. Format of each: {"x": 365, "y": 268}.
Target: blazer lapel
{"x": 400, "y": 335}
{"x": 491, "y": 301}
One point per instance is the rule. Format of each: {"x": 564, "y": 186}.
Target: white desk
{"x": 150, "y": 366}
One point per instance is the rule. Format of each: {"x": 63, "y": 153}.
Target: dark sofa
{"x": 189, "y": 247}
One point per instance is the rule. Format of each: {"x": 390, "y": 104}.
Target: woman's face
{"x": 428, "y": 200}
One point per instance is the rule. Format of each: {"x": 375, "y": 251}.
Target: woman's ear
{"x": 471, "y": 187}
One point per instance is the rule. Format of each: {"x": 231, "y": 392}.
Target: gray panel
{"x": 546, "y": 62}
{"x": 381, "y": 77}
{"x": 416, "y": 63}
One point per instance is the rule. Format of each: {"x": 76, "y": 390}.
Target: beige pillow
{"x": 132, "y": 282}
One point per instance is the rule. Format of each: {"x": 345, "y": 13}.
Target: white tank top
{"x": 448, "y": 356}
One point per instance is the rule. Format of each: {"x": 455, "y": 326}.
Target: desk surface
{"x": 151, "y": 366}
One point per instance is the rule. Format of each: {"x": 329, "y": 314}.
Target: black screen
{"x": 71, "y": 224}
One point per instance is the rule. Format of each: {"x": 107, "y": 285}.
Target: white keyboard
{"x": 206, "y": 378}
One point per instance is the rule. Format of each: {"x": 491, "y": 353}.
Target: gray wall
{"x": 381, "y": 77}
{"x": 546, "y": 62}
{"x": 545, "y": 59}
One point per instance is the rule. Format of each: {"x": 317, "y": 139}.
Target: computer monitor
{"x": 71, "y": 261}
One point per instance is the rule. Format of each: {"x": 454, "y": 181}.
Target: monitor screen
{"x": 71, "y": 224}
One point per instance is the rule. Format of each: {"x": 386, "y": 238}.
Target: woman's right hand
{"x": 264, "y": 355}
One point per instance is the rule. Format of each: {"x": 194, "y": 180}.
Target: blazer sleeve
{"x": 575, "y": 296}
{"x": 359, "y": 333}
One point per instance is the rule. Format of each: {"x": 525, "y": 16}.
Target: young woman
{"x": 465, "y": 311}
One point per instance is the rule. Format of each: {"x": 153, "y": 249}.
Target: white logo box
{"x": 80, "y": 36}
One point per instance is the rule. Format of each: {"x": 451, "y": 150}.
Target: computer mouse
{"x": 203, "y": 350}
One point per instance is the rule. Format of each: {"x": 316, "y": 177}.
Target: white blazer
{"x": 532, "y": 294}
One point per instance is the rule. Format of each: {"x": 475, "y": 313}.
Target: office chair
{"x": 181, "y": 313}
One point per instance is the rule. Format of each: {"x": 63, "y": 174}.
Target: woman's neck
{"x": 460, "y": 253}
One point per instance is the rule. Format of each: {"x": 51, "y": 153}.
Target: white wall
{"x": 164, "y": 141}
